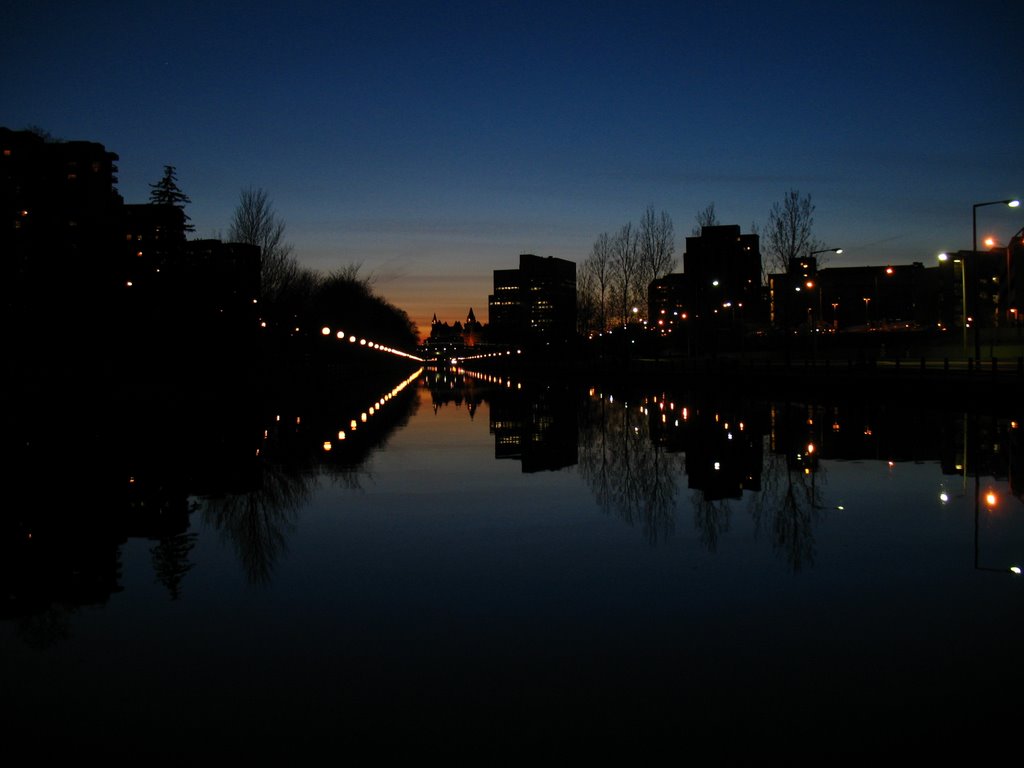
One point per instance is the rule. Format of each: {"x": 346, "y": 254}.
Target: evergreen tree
{"x": 167, "y": 192}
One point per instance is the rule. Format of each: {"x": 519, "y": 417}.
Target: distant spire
{"x": 434, "y": 321}
{"x": 471, "y": 318}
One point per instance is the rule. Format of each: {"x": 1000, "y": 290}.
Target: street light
{"x": 827, "y": 250}
{"x": 812, "y": 255}
{"x": 974, "y": 256}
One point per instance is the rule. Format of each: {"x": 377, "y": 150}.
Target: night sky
{"x": 434, "y": 143}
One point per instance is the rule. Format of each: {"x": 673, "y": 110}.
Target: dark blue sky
{"x": 434, "y": 143}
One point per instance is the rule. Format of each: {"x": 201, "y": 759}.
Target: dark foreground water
{"x": 469, "y": 565}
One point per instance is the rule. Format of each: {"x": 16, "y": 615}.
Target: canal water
{"x": 467, "y": 562}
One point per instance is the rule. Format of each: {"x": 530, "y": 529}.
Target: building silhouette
{"x": 1010, "y": 299}
{"x": 718, "y": 295}
{"x": 718, "y": 300}
{"x": 534, "y": 303}
{"x": 109, "y": 286}
{"x": 62, "y": 211}
{"x": 448, "y": 340}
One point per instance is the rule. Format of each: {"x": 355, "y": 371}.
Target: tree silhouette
{"x": 254, "y": 222}
{"x": 594, "y": 285}
{"x": 656, "y": 246}
{"x": 170, "y": 561}
{"x": 625, "y": 265}
{"x": 789, "y": 232}
{"x": 167, "y": 192}
{"x": 705, "y": 218}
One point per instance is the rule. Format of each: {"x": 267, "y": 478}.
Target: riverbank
{"x": 927, "y": 377}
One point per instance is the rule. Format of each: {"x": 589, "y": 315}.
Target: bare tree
{"x": 656, "y": 244}
{"x": 586, "y": 300}
{"x": 254, "y": 222}
{"x": 789, "y": 232}
{"x": 596, "y": 279}
{"x": 705, "y": 218}
{"x": 625, "y": 258}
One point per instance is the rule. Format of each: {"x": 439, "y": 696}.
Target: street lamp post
{"x": 818, "y": 281}
{"x": 974, "y": 257}
{"x": 963, "y": 296}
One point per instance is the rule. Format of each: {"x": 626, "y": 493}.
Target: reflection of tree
{"x": 257, "y": 522}
{"x": 350, "y": 478}
{"x": 629, "y": 475}
{"x": 298, "y": 451}
{"x": 788, "y": 507}
{"x": 710, "y": 518}
{"x": 170, "y": 560}
{"x": 593, "y": 450}
{"x": 626, "y": 460}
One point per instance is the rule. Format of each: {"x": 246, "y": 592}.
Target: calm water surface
{"x": 504, "y": 564}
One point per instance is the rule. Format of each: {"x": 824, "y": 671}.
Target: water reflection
{"x": 143, "y": 470}
{"x": 258, "y": 522}
{"x": 320, "y": 440}
{"x": 663, "y": 462}
{"x": 630, "y": 474}
{"x": 456, "y": 572}
{"x": 171, "y": 561}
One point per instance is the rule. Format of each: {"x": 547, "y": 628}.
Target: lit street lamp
{"x": 974, "y": 256}
{"x": 821, "y": 317}
{"x": 827, "y": 250}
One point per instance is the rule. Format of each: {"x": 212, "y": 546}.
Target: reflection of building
{"x": 724, "y": 456}
{"x": 535, "y": 302}
{"x": 723, "y": 449}
{"x": 454, "y": 387}
{"x": 538, "y": 427}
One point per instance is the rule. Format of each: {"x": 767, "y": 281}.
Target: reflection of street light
{"x": 991, "y": 500}
{"x": 974, "y": 256}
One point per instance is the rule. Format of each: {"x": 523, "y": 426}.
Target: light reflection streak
{"x": 375, "y": 409}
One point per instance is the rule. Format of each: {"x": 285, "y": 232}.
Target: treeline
{"x": 294, "y": 299}
{"x": 614, "y": 278}
{"x": 303, "y": 301}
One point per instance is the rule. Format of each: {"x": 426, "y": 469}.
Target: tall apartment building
{"x": 720, "y": 282}
{"x": 536, "y": 302}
